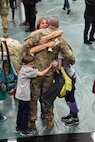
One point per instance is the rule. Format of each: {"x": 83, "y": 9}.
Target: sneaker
{"x": 65, "y": 119}
{"x": 29, "y": 132}
{"x": 68, "y": 11}
{"x": 72, "y": 121}
{"x": 2, "y": 118}
{"x": 17, "y": 130}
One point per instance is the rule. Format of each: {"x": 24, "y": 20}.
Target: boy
{"x": 27, "y": 72}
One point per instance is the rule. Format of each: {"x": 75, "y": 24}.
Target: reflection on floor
{"x": 72, "y": 25}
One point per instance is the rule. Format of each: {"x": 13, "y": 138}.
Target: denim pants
{"x": 23, "y": 115}
{"x": 66, "y": 4}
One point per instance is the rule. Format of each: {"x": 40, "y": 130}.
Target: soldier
{"x": 4, "y": 14}
{"x": 43, "y": 59}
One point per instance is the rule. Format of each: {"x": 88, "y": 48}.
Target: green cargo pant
{"x": 40, "y": 85}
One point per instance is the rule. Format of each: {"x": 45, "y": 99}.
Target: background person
{"x": 4, "y": 16}
{"x": 31, "y": 15}
{"x": 89, "y": 17}
{"x": 66, "y": 5}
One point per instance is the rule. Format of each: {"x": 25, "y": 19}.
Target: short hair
{"x": 28, "y": 58}
{"x": 54, "y": 21}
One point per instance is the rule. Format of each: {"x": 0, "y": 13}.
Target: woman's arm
{"x": 38, "y": 48}
{"x": 43, "y": 41}
{"x": 46, "y": 38}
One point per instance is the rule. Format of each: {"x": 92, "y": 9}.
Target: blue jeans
{"x": 66, "y": 4}
{"x": 89, "y": 21}
{"x": 23, "y": 115}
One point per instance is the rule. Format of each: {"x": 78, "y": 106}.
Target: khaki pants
{"x": 40, "y": 85}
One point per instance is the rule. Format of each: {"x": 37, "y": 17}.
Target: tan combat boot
{"x": 32, "y": 124}
{"x": 50, "y": 124}
{"x": 5, "y": 34}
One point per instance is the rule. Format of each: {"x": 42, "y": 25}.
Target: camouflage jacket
{"x": 44, "y": 57}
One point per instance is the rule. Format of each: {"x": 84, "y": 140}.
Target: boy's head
{"x": 28, "y": 58}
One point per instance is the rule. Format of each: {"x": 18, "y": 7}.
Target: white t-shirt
{"x": 23, "y": 85}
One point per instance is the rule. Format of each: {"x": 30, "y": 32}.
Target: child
{"x": 27, "y": 72}
{"x": 72, "y": 118}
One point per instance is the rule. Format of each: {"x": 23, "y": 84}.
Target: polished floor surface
{"x": 73, "y": 26}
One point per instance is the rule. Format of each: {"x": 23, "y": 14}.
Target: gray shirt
{"x": 23, "y": 85}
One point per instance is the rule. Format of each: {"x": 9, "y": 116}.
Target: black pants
{"x": 25, "y": 9}
{"x": 51, "y": 94}
{"x": 30, "y": 10}
{"x": 89, "y": 22}
{"x": 23, "y": 115}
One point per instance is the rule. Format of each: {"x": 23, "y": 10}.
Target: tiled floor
{"x": 72, "y": 25}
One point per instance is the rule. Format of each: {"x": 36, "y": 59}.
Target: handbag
{"x": 8, "y": 79}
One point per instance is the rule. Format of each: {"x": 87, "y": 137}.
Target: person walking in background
{"x": 4, "y": 15}
{"x": 27, "y": 72}
{"x": 89, "y": 17}
{"x": 13, "y": 5}
{"x": 66, "y": 5}
{"x": 31, "y": 14}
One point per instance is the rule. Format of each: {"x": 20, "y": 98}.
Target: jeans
{"x": 23, "y": 115}
{"x": 66, "y": 4}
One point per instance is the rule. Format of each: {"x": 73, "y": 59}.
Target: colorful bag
{"x": 8, "y": 79}
{"x": 68, "y": 84}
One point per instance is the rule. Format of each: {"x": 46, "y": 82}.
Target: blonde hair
{"x": 39, "y": 22}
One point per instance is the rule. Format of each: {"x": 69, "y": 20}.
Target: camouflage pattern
{"x": 43, "y": 59}
{"x": 4, "y": 14}
{"x": 16, "y": 54}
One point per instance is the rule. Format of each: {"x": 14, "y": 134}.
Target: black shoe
{"x": 29, "y": 30}
{"x": 64, "y": 8}
{"x": 65, "y": 119}
{"x": 87, "y": 42}
{"x": 92, "y": 39}
{"x": 72, "y": 121}
{"x": 68, "y": 11}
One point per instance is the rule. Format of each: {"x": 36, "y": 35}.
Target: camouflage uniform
{"x": 43, "y": 59}
{"x": 4, "y": 14}
{"x": 17, "y": 54}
